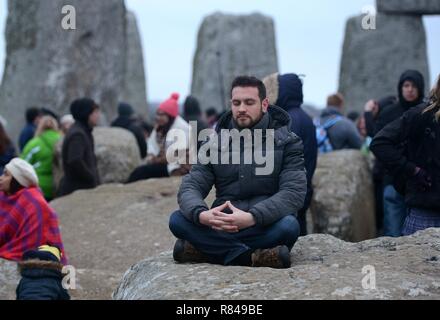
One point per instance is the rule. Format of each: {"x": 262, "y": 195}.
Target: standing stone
{"x": 419, "y": 7}
{"x": 229, "y": 46}
{"x": 343, "y": 203}
{"x": 47, "y": 66}
{"x": 135, "y": 87}
{"x": 373, "y": 60}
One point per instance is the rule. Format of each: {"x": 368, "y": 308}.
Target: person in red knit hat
{"x": 167, "y": 119}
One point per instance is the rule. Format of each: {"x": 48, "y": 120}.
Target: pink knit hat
{"x": 171, "y": 106}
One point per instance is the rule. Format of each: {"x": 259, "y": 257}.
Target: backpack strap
{"x": 331, "y": 122}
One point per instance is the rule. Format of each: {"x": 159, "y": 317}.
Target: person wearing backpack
{"x": 334, "y": 131}
{"x": 409, "y": 148}
{"x": 39, "y": 152}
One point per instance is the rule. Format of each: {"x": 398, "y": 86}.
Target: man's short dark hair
{"x": 246, "y": 81}
{"x": 32, "y": 114}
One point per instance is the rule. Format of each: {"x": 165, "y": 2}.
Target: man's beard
{"x": 250, "y": 123}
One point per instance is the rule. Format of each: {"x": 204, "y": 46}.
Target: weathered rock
{"x": 112, "y": 227}
{"x": 419, "y": 7}
{"x": 117, "y": 153}
{"x": 228, "y": 47}
{"x": 9, "y": 279}
{"x": 343, "y": 201}
{"x": 373, "y": 60}
{"x": 323, "y": 268}
{"x": 135, "y": 87}
{"x": 47, "y": 66}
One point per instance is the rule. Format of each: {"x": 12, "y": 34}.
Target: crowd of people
{"x": 255, "y": 221}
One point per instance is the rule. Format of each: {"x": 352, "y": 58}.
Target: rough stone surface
{"x": 117, "y": 153}
{"x": 47, "y": 66}
{"x": 373, "y": 60}
{"x": 228, "y": 47}
{"x": 343, "y": 201}
{"x": 135, "y": 81}
{"x": 9, "y": 279}
{"x": 419, "y": 7}
{"x": 323, "y": 267}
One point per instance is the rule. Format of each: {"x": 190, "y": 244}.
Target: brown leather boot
{"x": 278, "y": 258}
{"x": 184, "y": 252}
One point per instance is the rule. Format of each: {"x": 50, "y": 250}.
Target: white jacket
{"x": 177, "y": 139}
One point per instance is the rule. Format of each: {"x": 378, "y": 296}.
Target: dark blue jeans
{"x": 222, "y": 247}
{"x": 394, "y": 211}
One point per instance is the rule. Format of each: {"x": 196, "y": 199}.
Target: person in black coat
{"x": 126, "y": 121}
{"x": 411, "y": 89}
{"x": 78, "y": 153}
{"x": 41, "y": 277}
{"x": 410, "y": 150}
{"x": 286, "y": 92}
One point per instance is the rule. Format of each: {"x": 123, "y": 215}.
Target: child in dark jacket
{"x": 42, "y": 276}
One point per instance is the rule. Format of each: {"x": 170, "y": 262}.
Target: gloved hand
{"x": 422, "y": 179}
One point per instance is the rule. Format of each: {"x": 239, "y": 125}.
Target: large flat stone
{"x": 419, "y": 7}
{"x": 323, "y": 267}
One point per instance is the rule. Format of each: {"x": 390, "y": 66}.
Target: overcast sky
{"x": 309, "y": 39}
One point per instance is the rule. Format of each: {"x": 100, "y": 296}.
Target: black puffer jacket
{"x": 409, "y": 142}
{"x": 268, "y": 198}
{"x": 395, "y": 111}
{"x": 41, "y": 278}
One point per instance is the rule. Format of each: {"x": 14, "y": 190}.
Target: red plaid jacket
{"x": 26, "y": 223}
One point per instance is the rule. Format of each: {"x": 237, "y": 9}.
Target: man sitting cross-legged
{"x": 253, "y": 220}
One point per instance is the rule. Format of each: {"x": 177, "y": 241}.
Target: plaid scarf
{"x": 26, "y": 223}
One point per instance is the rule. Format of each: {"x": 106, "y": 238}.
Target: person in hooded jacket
{"x": 411, "y": 88}
{"x": 286, "y": 92}
{"x": 253, "y": 219}
{"x": 409, "y": 148}
{"x": 126, "y": 121}
{"x": 78, "y": 154}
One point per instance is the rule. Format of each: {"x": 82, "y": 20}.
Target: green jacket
{"x": 39, "y": 152}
